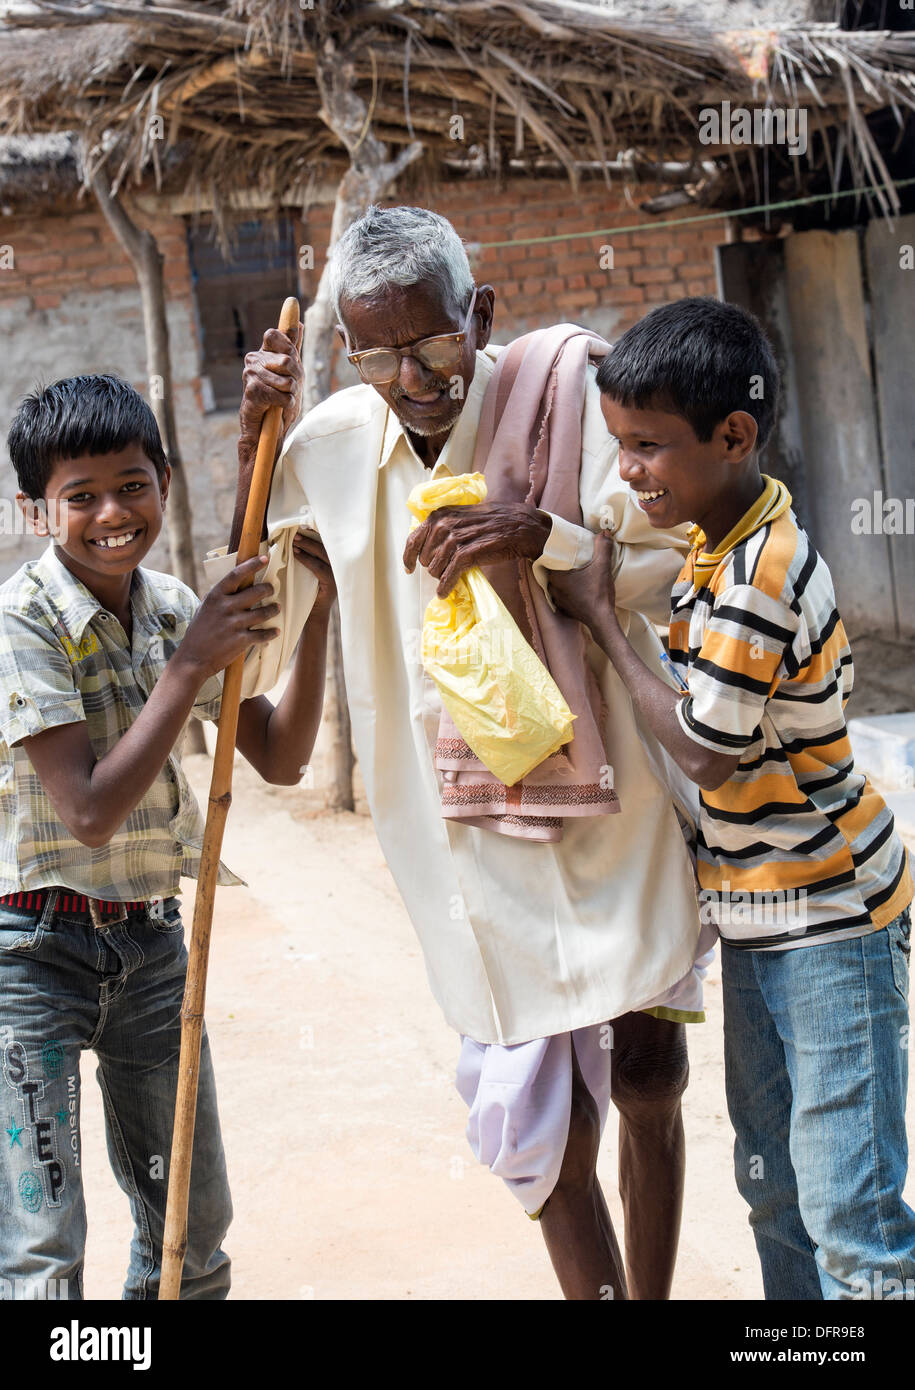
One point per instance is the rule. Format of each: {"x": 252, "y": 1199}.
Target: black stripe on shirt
{"x": 849, "y": 804}
{"x": 770, "y": 755}
{"x": 769, "y": 808}
{"x": 819, "y": 642}
{"x": 810, "y": 787}
{"x": 823, "y": 929}
{"x": 735, "y": 741}
{"x": 808, "y": 697}
{"x": 724, "y": 676}
{"x": 757, "y": 848}
{"x": 879, "y": 840}
{"x": 811, "y": 889}
{"x": 800, "y": 745}
{"x": 804, "y": 577}
{"x": 743, "y": 618}
{"x": 740, "y": 563}
{"x": 883, "y": 895}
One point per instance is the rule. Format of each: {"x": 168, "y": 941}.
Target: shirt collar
{"x": 78, "y": 605}
{"x": 465, "y": 427}
{"x": 769, "y": 505}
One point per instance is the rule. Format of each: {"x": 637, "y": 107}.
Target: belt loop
{"x": 51, "y": 899}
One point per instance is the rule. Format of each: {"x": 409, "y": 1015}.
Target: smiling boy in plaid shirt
{"x": 101, "y": 665}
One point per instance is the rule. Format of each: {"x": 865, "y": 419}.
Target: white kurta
{"x": 521, "y": 939}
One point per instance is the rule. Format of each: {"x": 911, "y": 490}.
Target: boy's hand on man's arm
{"x": 310, "y": 552}
{"x": 588, "y": 595}
{"x": 224, "y": 625}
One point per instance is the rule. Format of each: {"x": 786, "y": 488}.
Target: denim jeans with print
{"x": 816, "y": 1067}
{"x": 67, "y": 986}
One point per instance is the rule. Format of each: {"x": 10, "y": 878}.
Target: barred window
{"x": 237, "y": 297}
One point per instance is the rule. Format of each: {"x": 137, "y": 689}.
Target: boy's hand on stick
{"x": 225, "y": 625}
{"x": 272, "y": 376}
{"x": 309, "y": 552}
{"x": 588, "y": 594}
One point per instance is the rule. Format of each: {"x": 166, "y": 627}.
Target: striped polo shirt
{"x": 796, "y": 847}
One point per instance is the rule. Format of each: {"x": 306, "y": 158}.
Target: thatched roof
{"x": 37, "y": 169}
{"x": 232, "y": 88}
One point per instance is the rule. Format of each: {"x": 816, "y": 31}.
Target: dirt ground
{"x": 350, "y": 1173}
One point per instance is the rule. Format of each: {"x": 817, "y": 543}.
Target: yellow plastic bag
{"x": 503, "y": 700}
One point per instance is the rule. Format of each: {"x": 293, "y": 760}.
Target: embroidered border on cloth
{"x": 466, "y": 798}
{"x": 453, "y": 750}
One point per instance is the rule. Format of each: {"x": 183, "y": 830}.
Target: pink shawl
{"x": 529, "y": 448}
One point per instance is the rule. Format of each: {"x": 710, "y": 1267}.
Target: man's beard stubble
{"x": 428, "y": 429}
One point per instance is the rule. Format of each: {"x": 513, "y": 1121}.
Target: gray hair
{"x": 399, "y": 246}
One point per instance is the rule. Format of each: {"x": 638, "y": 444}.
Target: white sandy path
{"x": 350, "y": 1173}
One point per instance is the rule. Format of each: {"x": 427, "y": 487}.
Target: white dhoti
{"x": 520, "y": 1096}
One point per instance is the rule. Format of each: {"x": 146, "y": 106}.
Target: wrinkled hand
{"x": 272, "y": 376}
{"x": 309, "y": 552}
{"x": 456, "y": 538}
{"x": 588, "y": 594}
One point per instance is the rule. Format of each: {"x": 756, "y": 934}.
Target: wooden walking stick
{"x": 174, "y": 1244}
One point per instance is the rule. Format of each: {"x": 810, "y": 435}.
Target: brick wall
{"x": 70, "y": 304}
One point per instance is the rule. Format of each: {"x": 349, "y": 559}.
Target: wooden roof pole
{"x": 142, "y": 250}
{"x": 369, "y": 174}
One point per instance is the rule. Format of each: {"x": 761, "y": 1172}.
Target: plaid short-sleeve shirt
{"x": 64, "y": 659}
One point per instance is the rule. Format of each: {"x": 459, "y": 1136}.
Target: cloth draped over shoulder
{"x": 528, "y": 448}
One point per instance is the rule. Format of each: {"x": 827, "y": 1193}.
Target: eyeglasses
{"x": 378, "y": 366}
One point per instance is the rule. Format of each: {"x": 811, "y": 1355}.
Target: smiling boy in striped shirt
{"x": 799, "y": 863}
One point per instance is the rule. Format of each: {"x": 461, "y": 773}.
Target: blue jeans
{"x": 816, "y": 1069}
{"x": 65, "y": 986}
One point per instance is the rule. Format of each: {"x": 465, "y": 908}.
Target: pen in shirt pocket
{"x": 671, "y": 668}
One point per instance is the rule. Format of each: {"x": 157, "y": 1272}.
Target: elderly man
{"x": 564, "y": 958}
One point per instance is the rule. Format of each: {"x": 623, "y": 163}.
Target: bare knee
{"x": 649, "y": 1079}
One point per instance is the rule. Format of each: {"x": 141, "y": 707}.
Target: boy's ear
{"x": 739, "y": 433}
{"x": 163, "y": 485}
{"x": 35, "y": 512}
